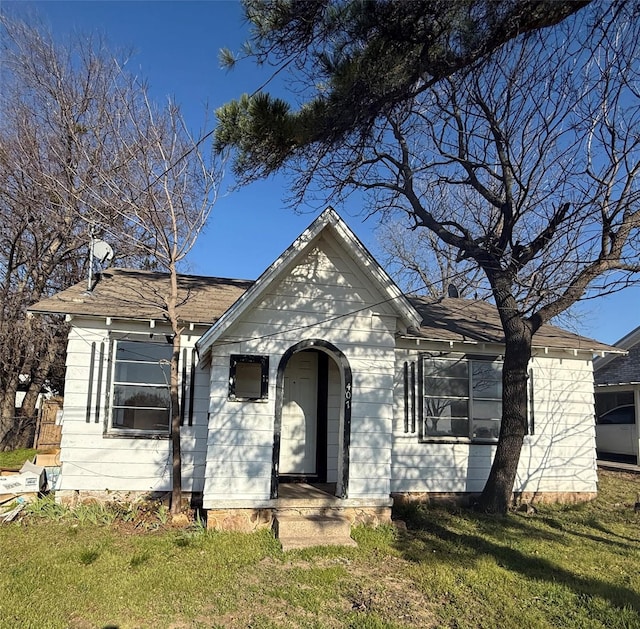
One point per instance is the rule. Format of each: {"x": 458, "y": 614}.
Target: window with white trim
{"x": 141, "y": 377}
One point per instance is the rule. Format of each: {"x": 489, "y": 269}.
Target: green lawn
{"x": 562, "y": 567}
{"x": 15, "y": 458}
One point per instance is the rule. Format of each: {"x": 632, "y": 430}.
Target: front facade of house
{"x": 320, "y": 372}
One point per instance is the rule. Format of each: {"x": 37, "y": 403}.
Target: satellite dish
{"x": 102, "y": 251}
{"x": 452, "y": 291}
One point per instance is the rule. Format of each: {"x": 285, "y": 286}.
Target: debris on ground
{"x": 30, "y": 478}
{"x": 10, "y": 508}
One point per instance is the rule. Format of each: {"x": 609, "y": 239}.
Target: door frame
{"x": 345, "y": 414}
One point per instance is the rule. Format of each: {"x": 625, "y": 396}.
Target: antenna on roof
{"x": 453, "y": 291}
{"x": 98, "y": 249}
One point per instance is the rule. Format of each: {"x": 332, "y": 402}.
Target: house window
{"x": 461, "y": 398}
{"x": 141, "y": 379}
{"x": 248, "y": 377}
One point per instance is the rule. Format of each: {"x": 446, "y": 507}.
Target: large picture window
{"x": 141, "y": 387}
{"x": 462, "y": 397}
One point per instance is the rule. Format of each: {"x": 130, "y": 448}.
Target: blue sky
{"x": 176, "y": 45}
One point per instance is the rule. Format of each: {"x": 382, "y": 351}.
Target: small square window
{"x": 248, "y": 377}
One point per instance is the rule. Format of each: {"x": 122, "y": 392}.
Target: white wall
{"x": 558, "y": 457}
{"x": 325, "y": 296}
{"x": 92, "y": 459}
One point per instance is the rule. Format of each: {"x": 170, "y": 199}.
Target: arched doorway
{"x": 312, "y": 417}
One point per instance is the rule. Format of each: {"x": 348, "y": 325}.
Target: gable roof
{"x": 218, "y": 302}
{"x": 138, "y": 295}
{"x": 329, "y": 219}
{"x": 456, "y": 319}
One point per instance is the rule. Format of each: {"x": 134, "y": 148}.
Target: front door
{"x": 300, "y": 416}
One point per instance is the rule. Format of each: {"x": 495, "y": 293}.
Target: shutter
{"x": 99, "y": 388}
{"x": 92, "y": 361}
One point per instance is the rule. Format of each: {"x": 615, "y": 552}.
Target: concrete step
{"x": 294, "y": 543}
{"x": 296, "y": 530}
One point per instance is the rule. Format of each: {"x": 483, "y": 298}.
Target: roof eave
{"x": 631, "y": 383}
{"x": 115, "y": 317}
{"x": 626, "y": 342}
{"x": 600, "y": 349}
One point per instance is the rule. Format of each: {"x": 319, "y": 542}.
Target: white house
{"x": 320, "y": 373}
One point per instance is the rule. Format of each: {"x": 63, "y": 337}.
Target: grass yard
{"x": 15, "y": 458}
{"x": 573, "y": 566}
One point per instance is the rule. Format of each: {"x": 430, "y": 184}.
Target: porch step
{"x": 303, "y": 530}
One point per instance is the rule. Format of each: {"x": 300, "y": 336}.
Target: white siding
{"x": 558, "y": 457}
{"x": 325, "y": 296}
{"x": 94, "y": 460}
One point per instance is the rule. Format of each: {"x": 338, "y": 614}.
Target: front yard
{"x": 560, "y": 567}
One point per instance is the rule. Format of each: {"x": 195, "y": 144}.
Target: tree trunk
{"x": 176, "y": 451}
{"x": 497, "y": 493}
{"x": 23, "y": 430}
{"x": 8, "y": 412}
{"x": 39, "y": 375}
{"x": 176, "y": 487}
{"x": 17, "y": 429}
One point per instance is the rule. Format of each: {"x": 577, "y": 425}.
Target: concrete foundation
{"x": 73, "y": 497}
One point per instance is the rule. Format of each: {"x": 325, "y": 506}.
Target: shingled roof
{"x": 470, "y": 320}
{"x": 612, "y": 370}
{"x": 131, "y": 294}
{"x": 138, "y": 295}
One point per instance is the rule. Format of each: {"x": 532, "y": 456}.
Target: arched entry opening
{"x": 312, "y": 417}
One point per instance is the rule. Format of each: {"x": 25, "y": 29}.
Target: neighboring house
{"x": 320, "y": 371}
{"x": 617, "y": 381}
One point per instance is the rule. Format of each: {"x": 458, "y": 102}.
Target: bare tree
{"x": 422, "y": 264}
{"x": 536, "y": 149}
{"x": 59, "y": 105}
{"x": 165, "y": 202}
{"x": 83, "y": 148}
